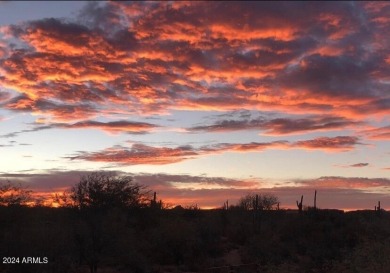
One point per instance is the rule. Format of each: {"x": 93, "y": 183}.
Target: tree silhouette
{"x": 105, "y": 190}
{"x": 265, "y": 201}
{"x": 96, "y": 196}
{"x": 14, "y": 195}
{"x": 63, "y": 199}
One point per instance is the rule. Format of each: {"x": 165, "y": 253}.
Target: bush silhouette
{"x": 104, "y": 190}
{"x": 264, "y": 201}
{"x": 14, "y": 195}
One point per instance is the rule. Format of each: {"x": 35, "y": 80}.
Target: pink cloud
{"x": 381, "y": 133}
{"x": 144, "y": 154}
{"x": 340, "y": 143}
{"x": 148, "y": 58}
{"x": 278, "y": 126}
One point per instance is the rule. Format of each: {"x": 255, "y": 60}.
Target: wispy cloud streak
{"x": 114, "y": 127}
{"x": 144, "y": 154}
{"x": 278, "y": 126}
{"x": 356, "y": 165}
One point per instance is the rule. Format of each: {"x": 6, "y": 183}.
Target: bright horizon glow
{"x": 202, "y": 102}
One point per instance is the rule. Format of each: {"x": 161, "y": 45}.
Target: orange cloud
{"x": 139, "y": 154}
{"x": 61, "y": 112}
{"x": 340, "y": 143}
{"x": 149, "y": 58}
{"x": 350, "y": 182}
{"x": 284, "y": 33}
{"x": 381, "y": 133}
{"x": 143, "y": 154}
{"x": 114, "y": 126}
{"x": 278, "y": 126}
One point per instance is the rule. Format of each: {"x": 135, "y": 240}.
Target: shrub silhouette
{"x": 104, "y": 190}
{"x": 14, "y": 195}
{"x": 264, "y": 201}
{"x": 96, "y": 196}
{"x": 111, "y": 228}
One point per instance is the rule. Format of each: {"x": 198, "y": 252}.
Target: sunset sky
{"x": 200, "y": 101}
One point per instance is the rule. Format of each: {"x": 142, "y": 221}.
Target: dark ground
{"x": 191, "y": 240}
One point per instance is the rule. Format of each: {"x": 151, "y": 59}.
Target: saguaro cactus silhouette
{"x": 299, "y": 205}
{"x": 226, "y": 205}
{"x": 154, "y": 203}
{"x": 256, "y": 207}
{"x": 315, "y": 199}
{"x": 378, "y": 208}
